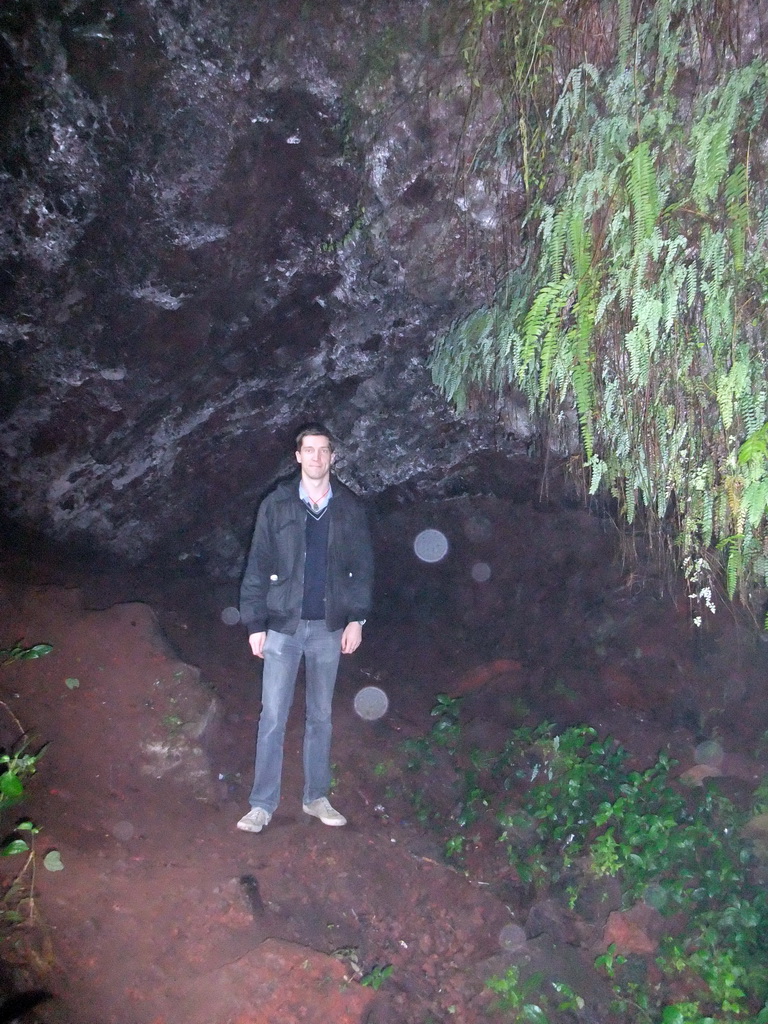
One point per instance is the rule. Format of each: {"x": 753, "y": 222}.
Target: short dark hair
{"x": 313, "y": 430}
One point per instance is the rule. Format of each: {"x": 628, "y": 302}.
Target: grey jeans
{"x": 321, "y": 650}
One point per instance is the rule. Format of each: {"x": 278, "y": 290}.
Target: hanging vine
{"x": 642, "y": 303}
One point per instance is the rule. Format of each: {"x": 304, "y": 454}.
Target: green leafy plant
{"x": 610, "y": 960}
{"x": 445, "y": 733}
{"x": 421, "y": 807}
{"x": 419, "y": 753}
{"x": 638, "y": 314}
{"x": 17, "y": 765}
{"x": 569, "y": 999}
{"x": 423, "y": 753}
{"x": 682, "y": 852}
{"x": 20, "y": 653}
{"x": 515, "y": 995}
{"x": 454, "y": 846}
{"x": 376, "y": 977}
{"x": 15, "y": 768}
{"x": 473, "y": 800}
{"x": 18, "y": 845}
{"x": 572, "y": 808}
{"x": 446, "y": 730}
{"x": 52, "y": 861}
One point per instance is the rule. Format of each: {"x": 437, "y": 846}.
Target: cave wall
{"x": 219, "y": 219}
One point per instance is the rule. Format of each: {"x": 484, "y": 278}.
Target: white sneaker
{"x": 322, "y": 809}
{"x": 254, "y": 820}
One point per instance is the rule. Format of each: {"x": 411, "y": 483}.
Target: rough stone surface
{"x": 636, "y": 930}
{"x": 87, "y": 691}
{"x": 548, "y": 917}
{"x": 218, "y": 220}
{"x": 281, "y": 981}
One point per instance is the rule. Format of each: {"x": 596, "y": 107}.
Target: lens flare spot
{"x": 123, "y": 830}
{"x": 230, "y": 616}
{"x": 478, "y": 528}
{"x": 481, "y": 572}
{"x": 431, "y": 545}
{"x": 512, "y": 936}
{"x": 371, "y": 703}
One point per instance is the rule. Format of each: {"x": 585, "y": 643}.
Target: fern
{"x": 733, "y": 570}
{"x": 625, "y": 30}
{"x": 643, "y": 191}
{"x": 755, "y": 447}
{"x": 738, "y": 213}
{"x": 712, "y": 134}
{"x": 755, "y": 501}
{"x": 729, "y": 389}
{"x": 643, "y": 303}
{"x": 630, "y": 502}
{"x": 713, "y": 152}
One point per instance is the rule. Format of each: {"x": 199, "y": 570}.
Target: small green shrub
{"x": 19, "y": 653}
{"x": 639, "y": 309}
{"x": 376, "y": 977}
{"x": 571, "y": 808}
{"x": 514, "y": 996}
{"x": 17, "y": 765}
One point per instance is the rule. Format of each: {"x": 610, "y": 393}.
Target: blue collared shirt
{"x": 315, "y": 506}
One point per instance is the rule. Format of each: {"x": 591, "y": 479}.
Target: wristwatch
{"x": 362, "y": 621}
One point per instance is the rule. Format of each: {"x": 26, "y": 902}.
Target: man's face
{"x": 315, "y": 456}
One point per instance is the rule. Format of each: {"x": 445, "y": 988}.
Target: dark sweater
{"x": 315, "y": 566}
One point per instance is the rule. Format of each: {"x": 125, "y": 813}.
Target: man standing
{"x": 306, "y": 593}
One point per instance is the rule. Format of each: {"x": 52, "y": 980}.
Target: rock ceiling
{"x": 218, "y": 220}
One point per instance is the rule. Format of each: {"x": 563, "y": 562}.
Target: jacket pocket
{"x": 352, "y": 591}
{"x": 276, "y": 593}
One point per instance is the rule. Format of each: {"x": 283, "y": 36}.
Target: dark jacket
{"x": 272, "y": 590}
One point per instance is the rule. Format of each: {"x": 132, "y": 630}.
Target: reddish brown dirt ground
{"x": 165, "y": 914}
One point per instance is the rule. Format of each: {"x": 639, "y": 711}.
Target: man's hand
{"x": 351, "y": 638}
{"x": 256, "y": 640}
